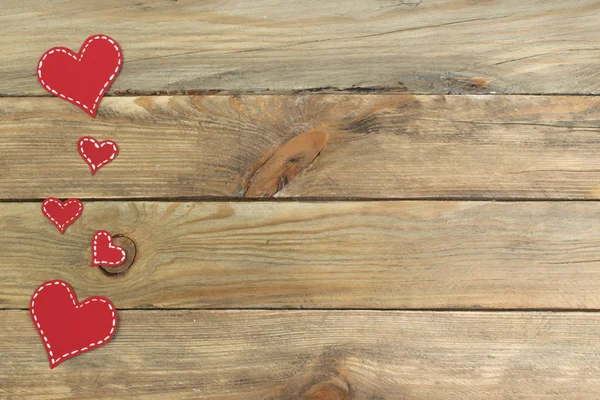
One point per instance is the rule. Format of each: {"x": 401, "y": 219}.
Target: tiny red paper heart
{"x": 62, "y": 214}
{"x": 104, "y": 252}
{"x": 68, "y": 328}
{"x": 95, "y": 154}
{"x": 81, "y": 78}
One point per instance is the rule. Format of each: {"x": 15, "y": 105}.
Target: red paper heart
{"x": 69, "y": 328}
{"x": 81, "y": 78}
{"x": 62, "y": 214}
{"x": 104, "y": 252}
{"x": 97, "y": 154}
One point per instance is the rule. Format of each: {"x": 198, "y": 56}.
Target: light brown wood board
{"x": 307, "y": 146}
{"x": 372, "y": 255}
{"x": 433, "y": 46}
{"x": 316, "y": 355}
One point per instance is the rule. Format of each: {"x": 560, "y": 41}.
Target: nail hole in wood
{"x": 130, "y": 250}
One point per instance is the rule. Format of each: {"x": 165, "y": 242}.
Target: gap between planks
{"x": 358, "y": 309}
{"x": 301, "y": 92}
{"x": 307, "y": 200}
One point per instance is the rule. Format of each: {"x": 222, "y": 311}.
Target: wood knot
{"x": 468, "y": 85}
{"x": 130, "y": 250}
{"x": 285, "y": 163}
{"x": 327, "y": 391}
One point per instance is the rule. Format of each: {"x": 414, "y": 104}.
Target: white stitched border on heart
{"x": 98, "y": 343}
{"x": 70, "y": 53}
{"x": 66, "y": 203}
{"x": 95, "y": 143}
{"x": 95, "y": 246}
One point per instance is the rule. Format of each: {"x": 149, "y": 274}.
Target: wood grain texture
{"x": 307, "y": 146}
{"x": 371, "y": 255}
{"x": 434, "y": 46}
{"x": 309, "y": 355}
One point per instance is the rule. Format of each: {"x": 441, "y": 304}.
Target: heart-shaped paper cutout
{"x": 104, "y": 252}
{"x": 81, "y": 78}
{"x": 95, "y": 154}
{"x": 62, "y": 214}
{"x": 68, "y": 328}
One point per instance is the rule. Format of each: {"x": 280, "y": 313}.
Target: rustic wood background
{"x": 356, "y": 199}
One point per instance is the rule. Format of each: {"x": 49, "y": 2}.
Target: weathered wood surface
{"x": 309, "y": 146}
{"x": 383, "y": 255}
{"x": 316, "y": 355}
{"x": 434, "y": 46}
{"x": 313, "y": 101}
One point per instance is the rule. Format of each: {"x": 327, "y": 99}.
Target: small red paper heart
{"x": 68, "y": 328}
{"x": 95, "y": 154}
{"x": 81, "y": 78}
{"x": 62, "y": 214}
{"x": 104, "y": 252}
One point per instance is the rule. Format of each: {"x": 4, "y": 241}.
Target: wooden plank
{"x": 310, "y": 355}
{"x": 436, "y": 46}
{"x": 382, "y": 255}
{"x": 326, "y": 146}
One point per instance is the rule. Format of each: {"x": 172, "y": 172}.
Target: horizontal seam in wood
{"x": 314, "y": 199}
{"x": 362, "y": 91}
{"x": 407, "y": 310}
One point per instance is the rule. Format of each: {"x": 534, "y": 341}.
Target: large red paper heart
{"x": 62, "y": 214}
{"x": 97, "y": 154}
{"x": 81, "y": 78}
{"x": 69, "y": 328}
{"x": 104, "y": 252}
